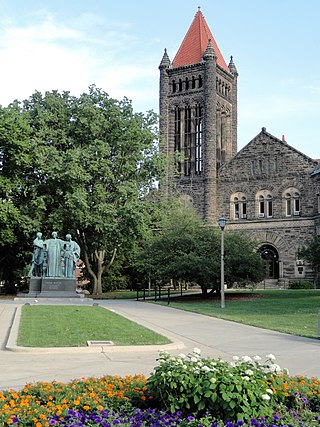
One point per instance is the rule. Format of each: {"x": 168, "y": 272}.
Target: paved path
{"x": 215, "y": 337}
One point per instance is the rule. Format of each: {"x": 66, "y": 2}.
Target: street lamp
{"x": 222, "y": 224}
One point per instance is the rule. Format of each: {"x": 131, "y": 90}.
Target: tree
{"x": 242, "y": 262}
{"x": 92, "y": 163}
{"x": 311, "y": 253}
{"x": 185, "y": 248}
{"x": 16, "y": 223}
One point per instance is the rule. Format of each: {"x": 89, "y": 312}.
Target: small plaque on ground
{"x": 90, "y": 343}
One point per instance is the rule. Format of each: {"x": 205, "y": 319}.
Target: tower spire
{"x": 195, "y": 44}
{"x": 232, "y": 67}
{"x": 165, "y": 61}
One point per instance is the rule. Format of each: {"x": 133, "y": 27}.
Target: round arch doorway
{"x": 271, "y": 256}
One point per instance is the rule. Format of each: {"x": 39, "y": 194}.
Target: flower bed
{"x": 185, "y": 390}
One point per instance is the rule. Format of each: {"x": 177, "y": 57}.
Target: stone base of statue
{"x": 53, "y": 287}
{"x": 35, "y": 286}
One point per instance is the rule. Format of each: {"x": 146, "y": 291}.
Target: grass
{"x": 294, "y": 312}
{"x": 71, "y": 326}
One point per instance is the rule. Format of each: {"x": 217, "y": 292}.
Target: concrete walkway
{"x": 215, "y": 337}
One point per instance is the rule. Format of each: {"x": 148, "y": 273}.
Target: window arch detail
{"x": 238, "y": 206}
{"x": 291, "y": 201}
{"x": 264, "y": 204}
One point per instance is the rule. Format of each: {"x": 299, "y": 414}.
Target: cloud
{"x": 49, "y": 54}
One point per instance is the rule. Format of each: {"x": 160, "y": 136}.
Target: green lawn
{"x": 294, "y": 312}
{"x": 72, "y": 326}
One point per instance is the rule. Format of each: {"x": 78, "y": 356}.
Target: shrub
{"x": 301, "y": 284}
{"x": 239, "y": 390}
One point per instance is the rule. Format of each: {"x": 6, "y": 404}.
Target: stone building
{"x": 268, "y": 188}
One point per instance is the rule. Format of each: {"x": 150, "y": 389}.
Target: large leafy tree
{"x": 92, "y": 162}
{"x": 184, "y": 248}
{"x": 16, "y": 223}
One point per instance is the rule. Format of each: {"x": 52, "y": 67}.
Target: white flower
{"x": 270, "y": 357}
{"x": 249, "y": 372}
{"x": 275, "y": 368}
{"x": 193, "y": 359}
{"x": 213, "y": 380}
{"x": 235, "y": 358}
{"x": 197, "y": 351}
{"x": 256, "y": 358}
{"x": 163, "y": 354}
{"x": 233, "y": 364}
{"x": 265, "y": 397}
{"x": 246, "y": 378}
{"x": 246, "y": 359}
{"x": 205, "y": 369}
{"x": 269, "y": 391}
{"x": 182, "y": 356}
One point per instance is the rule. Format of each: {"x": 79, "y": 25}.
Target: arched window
{"x": 238, "y": 206}
{"x": 292, "y": 202}
{"x": 264, "y": 201}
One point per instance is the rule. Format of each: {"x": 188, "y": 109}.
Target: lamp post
{"x": 222, "y": 224}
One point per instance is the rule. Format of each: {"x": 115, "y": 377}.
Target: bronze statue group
{"x": 54, "y": 257}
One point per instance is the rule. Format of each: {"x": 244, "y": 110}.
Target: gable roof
{"x": 195, "y": 44}
{"x": 263, "y": 138}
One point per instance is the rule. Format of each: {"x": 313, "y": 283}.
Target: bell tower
{"x": 198, "y": 115}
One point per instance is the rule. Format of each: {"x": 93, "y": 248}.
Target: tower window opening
{"x": 187, "y": 141}
{"x": 200, "y": 81}
{"x": 177, "y": 136}
{"x": 198, "y": 139}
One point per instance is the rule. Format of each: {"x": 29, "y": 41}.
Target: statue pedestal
{"x": 35, "y": 286}
{"x": 53, "y": 287}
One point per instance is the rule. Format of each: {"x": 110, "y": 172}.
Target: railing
{"x": 157, "y": 294}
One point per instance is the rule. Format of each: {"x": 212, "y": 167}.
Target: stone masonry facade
{"x": 268, "y": 189}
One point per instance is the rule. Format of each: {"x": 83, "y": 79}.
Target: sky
{"x": 67, "y": 45}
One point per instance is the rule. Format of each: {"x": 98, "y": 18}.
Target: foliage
{"x": 311, "y": 253}
{"x": 300, "y": 284}
{"x": 15, "y": 219}
{"x": 236, "y": 391}
{"x": 82, "y": 165}
{"x": 127, "y": 401}
{"x": 36, "y": 403}
{"x": 184, "y": 248}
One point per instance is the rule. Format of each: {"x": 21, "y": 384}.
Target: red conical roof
{"x": 196, "y": 42}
